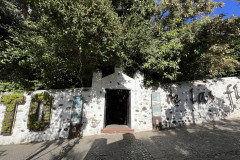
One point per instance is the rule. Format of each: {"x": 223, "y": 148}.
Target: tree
{"x": 59, "y": 43}
{"x": 66, "y": 44}
{"x": 191, "y": 45}
{"x": 207, "y": 53}
{"x": 11, "y": 27}
{"x": 136, "y": 38}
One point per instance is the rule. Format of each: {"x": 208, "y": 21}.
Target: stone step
{"x": 117, "y": 129}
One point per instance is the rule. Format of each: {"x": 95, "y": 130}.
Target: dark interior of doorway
{"x": 117, "y": 107}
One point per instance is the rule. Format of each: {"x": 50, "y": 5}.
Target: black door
{"x": 117, "y": 106}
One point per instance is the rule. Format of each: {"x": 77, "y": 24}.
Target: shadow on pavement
{"x": 212, "y": 140}
{"x": 62, "y": 147}
{"x": 128, "y": 148}
{"x": 45, "y": 146}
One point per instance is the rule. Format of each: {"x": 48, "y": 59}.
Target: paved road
{"x": 215, "y": 140}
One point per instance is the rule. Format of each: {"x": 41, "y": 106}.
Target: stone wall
{"x": 199, "y": 101}
{"x": 181, "y": 104}
{"x": 60, "y": 117}
{"x": 93, "y": 109}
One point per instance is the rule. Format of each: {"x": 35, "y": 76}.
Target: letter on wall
{"x": 11, "y": 101}
{"x": 40, "y": 112}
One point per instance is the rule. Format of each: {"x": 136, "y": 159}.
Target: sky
{"x": 231, "y": 7}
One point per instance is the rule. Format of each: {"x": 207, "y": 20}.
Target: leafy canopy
{"x": 59, "y": 43}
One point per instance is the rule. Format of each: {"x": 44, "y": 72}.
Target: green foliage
{"x": 33, "y": 123}
{"x": 64, "y": 46}
{"x": 10, "y": 87}
{"x": 136, "y": 40}
{"x": 124, "y": 8}
{"x": 13, "y": 49}
{"x": 189, "y": 47}
{"x": 171, "y": 44}
{"x": 164, "y": 63}
{"x": 234, "y": 51}
{"x": 11, "y": 100}
{"x": 83, "y": 35}
{"x": 206, "y": 51}
{"x": 59, "y": 43}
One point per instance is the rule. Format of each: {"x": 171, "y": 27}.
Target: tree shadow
{"x": 3, "y": 153}
{"x": 66, "y": 149}
{"x": 44, "y": 147}
{"x": 127, "y": 148}
{"x": 214, "y": 140}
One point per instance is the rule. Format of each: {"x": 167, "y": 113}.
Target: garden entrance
{"x": 117, "y": 107}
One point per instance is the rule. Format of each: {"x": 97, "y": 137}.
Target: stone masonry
{"x": 181, "y": 104}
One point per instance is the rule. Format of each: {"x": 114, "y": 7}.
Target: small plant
{"x": 34, "y": 124}
{"x": 11, "y": 100}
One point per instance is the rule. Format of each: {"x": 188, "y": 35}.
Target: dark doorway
{"x": 117, "y": 107}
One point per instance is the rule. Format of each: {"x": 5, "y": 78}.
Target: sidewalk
{"x": 214, "y": 140}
